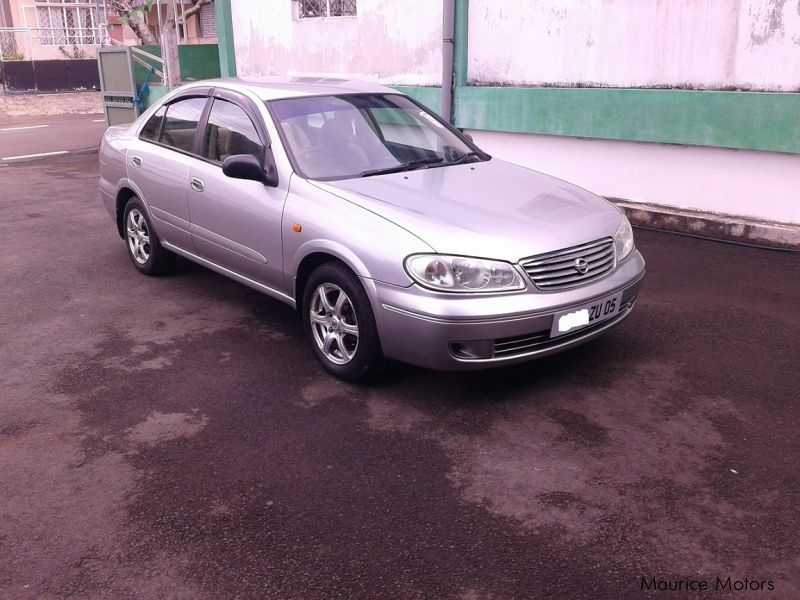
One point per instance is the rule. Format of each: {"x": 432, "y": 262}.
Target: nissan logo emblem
{"x": 581, "y": 266}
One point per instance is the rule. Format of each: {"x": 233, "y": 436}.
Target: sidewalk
{"x": 14, "y": 106}
{"x": 716, "y": 226}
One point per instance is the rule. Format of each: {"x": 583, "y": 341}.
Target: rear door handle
{"x": 136, "y": 161}
{"x": 198, "y": 185}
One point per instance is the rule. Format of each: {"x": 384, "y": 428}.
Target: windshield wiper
{"x": 463, "y": 157}
{"x": 409, "y": 166}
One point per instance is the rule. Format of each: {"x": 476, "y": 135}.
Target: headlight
{"x": 623, "y": 239}
{"x": 462, "y": 274}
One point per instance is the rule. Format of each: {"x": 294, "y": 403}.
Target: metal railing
{"x": 49, "y": 43}
{"x": 141, "y": 57}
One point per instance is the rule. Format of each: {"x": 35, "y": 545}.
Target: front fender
{"x": 316, "y": 221}
{"x": 335, "y": 249}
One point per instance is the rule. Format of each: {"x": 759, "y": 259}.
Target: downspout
{"x": 455, "y": 56}
{"x": 448, "y": 32}
{"x": 460, "y": 50}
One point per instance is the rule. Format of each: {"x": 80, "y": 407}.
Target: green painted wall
{"x": 156, "y": 92}
{"x": 227, "y": 52}
{"x": 744, "y": 120}
{"x": 461, "y": 43}
{"x": 429, "y": 96}
{"x": 198, "y": 61}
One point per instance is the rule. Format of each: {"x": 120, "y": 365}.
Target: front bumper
{"x": 441, "y": 331}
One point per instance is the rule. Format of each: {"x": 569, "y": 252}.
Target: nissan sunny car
{"x": 392, "y": 234}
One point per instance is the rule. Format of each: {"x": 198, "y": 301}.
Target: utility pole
{"x": 169, "y": 43}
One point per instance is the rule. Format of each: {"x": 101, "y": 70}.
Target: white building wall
{"x": 389, "y": 41}
{"x": 704, "y": 44}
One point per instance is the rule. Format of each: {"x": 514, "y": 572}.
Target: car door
{"x": 159, "y": 162}
{"x": 236, "y": 223}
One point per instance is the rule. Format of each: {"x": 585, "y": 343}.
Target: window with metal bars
{"x": 342, "y": 8}
{"x": 327, "y": 8}
{"x": 65, "y": 22}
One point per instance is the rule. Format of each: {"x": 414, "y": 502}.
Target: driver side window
{"x": 229, "y": 132}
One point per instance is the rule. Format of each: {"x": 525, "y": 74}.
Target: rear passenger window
{"x": 152, "y": 130}
{"x": 230, "y": 131}
{"x": 180, "y": 124}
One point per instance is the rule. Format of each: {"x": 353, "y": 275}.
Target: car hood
{"x": 492, "y": 209}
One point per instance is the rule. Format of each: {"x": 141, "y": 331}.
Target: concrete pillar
{"x": 227, "y": 54}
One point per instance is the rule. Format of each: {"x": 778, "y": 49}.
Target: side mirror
{"x": 246, "y": 166}
{"x": 469, "y": 137}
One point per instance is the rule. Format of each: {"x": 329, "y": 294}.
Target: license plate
{"x": 591, "y": 313}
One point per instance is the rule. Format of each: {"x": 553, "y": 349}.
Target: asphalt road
{"x": 174, "y": 437}
{"x": 30, "y": 138}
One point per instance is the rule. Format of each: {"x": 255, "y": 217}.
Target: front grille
{"x": 556, "y": 270}
{"x": 541, "y": 340}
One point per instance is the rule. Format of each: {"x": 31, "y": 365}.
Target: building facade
{"x": 57, "y": 29}
{"x": 683, "y": 103}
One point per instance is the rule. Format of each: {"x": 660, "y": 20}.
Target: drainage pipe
{"x": 448, "y": 32}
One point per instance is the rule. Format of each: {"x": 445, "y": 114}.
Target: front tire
{"x": 144, "y": 247}
{"x": 338, "y": 319}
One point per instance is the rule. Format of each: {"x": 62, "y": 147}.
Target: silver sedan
{"x": 392, "y": 233}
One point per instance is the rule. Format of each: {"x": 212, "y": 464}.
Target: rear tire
{"x": 338, "y": 319}
{"x": 144, "y": 247}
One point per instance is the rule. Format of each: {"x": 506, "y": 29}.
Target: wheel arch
{"x": 316, "y": 257}
{"x": 126, "y": 189}
{"x": 124, "y": 194}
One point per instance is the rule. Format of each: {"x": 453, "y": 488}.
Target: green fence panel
{"x": 198, "y": 61}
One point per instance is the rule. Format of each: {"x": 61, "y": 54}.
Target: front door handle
{"x": 136, "y": 161}
{"x": 198, "y": 185}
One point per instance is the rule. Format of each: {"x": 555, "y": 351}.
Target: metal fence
{"x": 48, "y": 43}
{"x": 48, "y": 59}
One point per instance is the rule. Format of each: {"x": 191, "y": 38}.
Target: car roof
{"x": 273, "y": 88}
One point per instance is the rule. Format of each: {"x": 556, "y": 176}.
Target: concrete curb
{"x": 712, "y": 225}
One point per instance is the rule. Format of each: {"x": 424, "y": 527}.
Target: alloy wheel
{"x": 334, "y": 324}
{"x": 138, "y": 236}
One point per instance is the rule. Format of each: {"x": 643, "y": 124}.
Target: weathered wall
{"x": 23, "y": 15}
{"x": 704, "y": 44}
{"x": 389, "y": 41}
{"x": 696, "y": 44}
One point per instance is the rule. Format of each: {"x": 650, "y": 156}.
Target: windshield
{"x": 341, "y": 137}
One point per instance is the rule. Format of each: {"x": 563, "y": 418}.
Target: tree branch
{"x": 193, "y": 10}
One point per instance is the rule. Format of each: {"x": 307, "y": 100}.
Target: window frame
{"x": 157, "y": 137}
{"x": 214, "y": 100}
{"x": 326, "y": 11}
{"x": 249, "y": 108}
{"x": 194, "y": 93}
{"x": 65, "y": 35}
{"x": 290, "y": 152}
{"x": 210, "y": 93}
